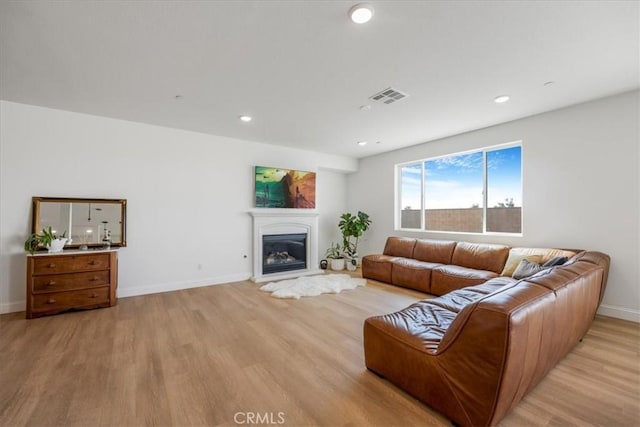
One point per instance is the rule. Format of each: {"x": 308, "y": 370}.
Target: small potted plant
{"x": 353, "y": 227}
{"x": 49, "y": 239}
{"x": 335, "y": 255}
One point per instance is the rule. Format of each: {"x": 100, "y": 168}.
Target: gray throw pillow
{"x": 558, "y": 260}
{"x": 526, "y": 269}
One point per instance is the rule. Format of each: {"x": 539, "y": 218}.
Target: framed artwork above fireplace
{"x": 284, "y": 188}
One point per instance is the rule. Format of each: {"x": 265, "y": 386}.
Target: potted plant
{"x": 49, "y": 239}
{"x": 352, "y": 228}
{"x": 335, "y": 255}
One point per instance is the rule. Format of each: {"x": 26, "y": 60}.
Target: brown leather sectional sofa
{"x": 474, "y": 352}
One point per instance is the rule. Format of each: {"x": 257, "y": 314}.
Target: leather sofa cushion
{"x": 480, "y": 256}
{"x": 447, "y": 278}
{"x": 399, "y": 246}
{"x": 437, "y": 251}
{"x": 456, "y": 300}
{"x": 412, "y": 274}
{"x": 377, "y": 267}
{"x": 420, "y": 325}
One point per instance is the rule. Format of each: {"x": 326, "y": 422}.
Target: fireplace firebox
{"x": 284, "y": 252}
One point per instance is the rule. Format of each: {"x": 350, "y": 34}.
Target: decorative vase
{"x": 352, "y": 264}
{"x": 337, "y": 264}
{"x": 57, "y": 245}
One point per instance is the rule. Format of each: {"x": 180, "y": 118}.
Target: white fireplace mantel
{"x": 285, "y": 221}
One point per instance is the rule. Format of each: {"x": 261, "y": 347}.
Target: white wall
{"x": 581, "y": 187}
{"x": 188, "y": 194}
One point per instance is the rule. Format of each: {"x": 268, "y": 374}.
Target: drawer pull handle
{"x": 94, "y": 295}
{"x": 92, "y": 262}
{"x": 52, "y": 265}
{"x": 94, "y": 279}
{"x": 51, "y": 301}
{"x": 51, "y": 283}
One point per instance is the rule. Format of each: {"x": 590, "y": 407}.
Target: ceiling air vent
{"x": 388, "y": 96}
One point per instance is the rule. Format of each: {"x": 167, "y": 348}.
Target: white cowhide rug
{"x": 310, "y": 286}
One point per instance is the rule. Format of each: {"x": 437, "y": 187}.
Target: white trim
{"x": 619, "y": 312}
{"x": 485, "y": 191}
{"x": 13, "y": 307}
{"x": 468, "y": 233}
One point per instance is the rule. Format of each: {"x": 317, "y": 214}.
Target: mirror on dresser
{"x": 89, "y": 222}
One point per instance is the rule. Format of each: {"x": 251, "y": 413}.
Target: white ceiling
{"x": 303, "y": 70}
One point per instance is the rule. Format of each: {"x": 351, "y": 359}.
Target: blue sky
{"x": 456, "y": 181}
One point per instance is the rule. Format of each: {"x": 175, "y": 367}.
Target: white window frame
{"x": 484, "y": 151}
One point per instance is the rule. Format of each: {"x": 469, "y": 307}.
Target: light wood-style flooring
{"x": 231, "y": 355}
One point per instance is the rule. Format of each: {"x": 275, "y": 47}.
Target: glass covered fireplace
{"x": 283, "y": 252}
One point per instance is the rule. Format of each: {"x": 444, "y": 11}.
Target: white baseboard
{"x": 176, "y": 286}
{"x": 12, "y": 307}
{"x": 619, "y": 312}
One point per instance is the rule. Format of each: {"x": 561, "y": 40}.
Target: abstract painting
{"x": 285, "y": 188}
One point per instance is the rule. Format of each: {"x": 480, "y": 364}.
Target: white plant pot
{"x": 57, "y": 245}
{"x": 337, "y": 264}
{"x": 352, "y": 264}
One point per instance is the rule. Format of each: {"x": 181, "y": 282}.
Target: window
{"x": 474, "y": 192}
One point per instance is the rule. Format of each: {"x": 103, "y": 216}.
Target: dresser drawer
{"x": 58, "y": 301}
{"x": 65, "y": 282}
{"x": 70, "y": 263}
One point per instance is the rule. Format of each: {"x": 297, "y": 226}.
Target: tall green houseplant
{"x": 352, "y": 228}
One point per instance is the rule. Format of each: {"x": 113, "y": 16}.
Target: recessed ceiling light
{"x": 501, "y": 99}
{"x": 245, "y": 119}
{"x": 361, "y": 143}
{"x": 361, "y": 13}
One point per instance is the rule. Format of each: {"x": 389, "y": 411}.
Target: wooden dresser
{"x": 71, "y": 280}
